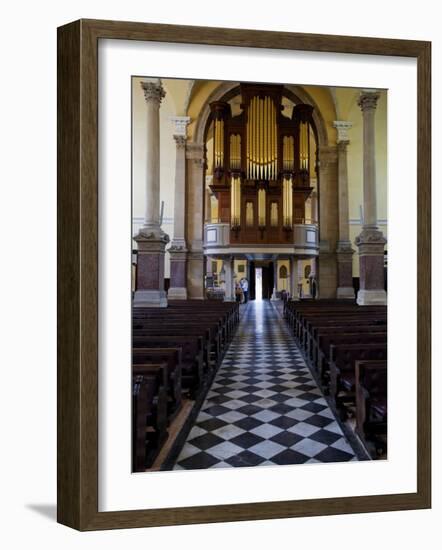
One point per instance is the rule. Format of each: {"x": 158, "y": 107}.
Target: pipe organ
{"x": 262, "y": 164}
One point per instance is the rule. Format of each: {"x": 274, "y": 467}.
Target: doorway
{"x": 263, "y": 280}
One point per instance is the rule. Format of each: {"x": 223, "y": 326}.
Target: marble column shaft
{"x": 153, "y": 93}
{"x": 368, "y": 102}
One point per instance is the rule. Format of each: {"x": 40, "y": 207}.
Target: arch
{"x": 228, "y": 90}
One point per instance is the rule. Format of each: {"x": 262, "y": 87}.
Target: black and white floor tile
{"x": 264, "y": 407}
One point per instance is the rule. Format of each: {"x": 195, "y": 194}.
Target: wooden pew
{"x": 343, "y": 338}
{"x": 149, "y": 414}
{"x": 371, "y": 404}
{"x": 314, "y": 341}
{"x": 189, "y": 332}
{"x": 342, "y": 363}
{"x": 192, "y": 362}
{"x": 171, "y": 357}
{"x": 211, "y": 334}
{"x": 356, "y": 317}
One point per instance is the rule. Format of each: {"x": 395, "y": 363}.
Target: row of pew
{"x": 175, "y": 354}
{"x": 346, "y": 345}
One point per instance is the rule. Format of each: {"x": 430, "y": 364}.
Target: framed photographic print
{"x": 244, "y": 245}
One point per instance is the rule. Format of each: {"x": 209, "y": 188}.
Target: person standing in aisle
{"x": 245, "y": 288}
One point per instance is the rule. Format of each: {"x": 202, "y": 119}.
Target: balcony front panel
{"x": 300, "y": 239}
{"x": 306, "y": 239}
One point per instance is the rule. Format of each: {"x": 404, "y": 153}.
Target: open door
{"x": 267, "y": 281}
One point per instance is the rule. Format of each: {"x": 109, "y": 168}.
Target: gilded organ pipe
{"x": 235, "y": 152}
{"x": 261, "y": 207}
{"x": 219, "y": 143}
{"x": 287, "y": 204}
{"x": 304, "y": 145}
{"x": 261, "y": 139}
{"x": 235, "y": 201}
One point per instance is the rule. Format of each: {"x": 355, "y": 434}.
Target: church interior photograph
{"x": 259, "y": 274}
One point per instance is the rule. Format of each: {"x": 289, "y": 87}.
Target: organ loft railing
{"x": 263, "y": 160}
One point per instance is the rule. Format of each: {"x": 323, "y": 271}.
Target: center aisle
{"x": 264, "y": 407}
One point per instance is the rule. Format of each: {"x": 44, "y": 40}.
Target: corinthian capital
{"x": 180, "y": 141}
{"x": 368, "y": 100}
{"x": 153, "y": 91}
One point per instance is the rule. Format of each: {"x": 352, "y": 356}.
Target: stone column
{"x": 228, "y": 278}
{"x": 275, "y": 280}
{"x": 294, "y": 278}
{"x": 194, "y": 221}
{"x": 178, "y": 248}
{"x": 344, "y": 250}
{"x": 328, "y": 220}
{"x": 313, "y": 279}
{"x": 300, "y": 277}
{"x": 371, "y": 241}
{"x": 151, "y": 239}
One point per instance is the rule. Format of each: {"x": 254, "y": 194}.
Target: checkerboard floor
{"x": 264, "y": 407}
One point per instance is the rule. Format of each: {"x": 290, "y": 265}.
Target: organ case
{"x": 262, "y": 163}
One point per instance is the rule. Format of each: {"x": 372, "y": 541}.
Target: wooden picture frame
{"x": 78, "y": 274}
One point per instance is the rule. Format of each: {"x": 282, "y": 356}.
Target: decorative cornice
{"x": 342, "y": 128}
{"x": 368, "y": 100}
{"x": 153, "y": 91}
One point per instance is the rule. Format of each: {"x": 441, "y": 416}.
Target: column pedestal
{"x": 371, "y": 244}
{"x": 345, "y": 289}
{"x": 150, "y": 269}
{"x": 178, "y": 272}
